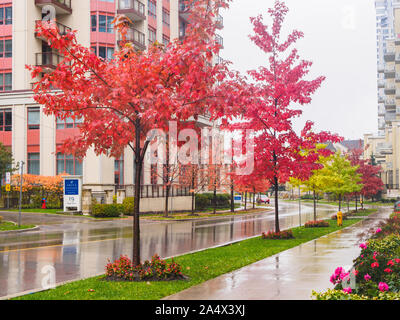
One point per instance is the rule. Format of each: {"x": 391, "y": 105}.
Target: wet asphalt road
{"x": 78, "y": 247}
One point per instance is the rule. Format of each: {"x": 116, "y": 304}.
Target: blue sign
{"x": 237, "y": 198}
{"x": 71, "y": 187}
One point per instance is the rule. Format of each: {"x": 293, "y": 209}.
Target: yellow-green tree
{"x": 338, "y": 176}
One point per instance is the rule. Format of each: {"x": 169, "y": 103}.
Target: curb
{"x": 19, "y": 231}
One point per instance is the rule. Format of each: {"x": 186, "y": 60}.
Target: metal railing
{"x": 134, "y": 36}
{"x": 62, "y": 29}
{"x": 64, "y": 3}
{"x": 136, "y": 5}
{"x": 159, "y": 191}
{"x": 49, "y": 59}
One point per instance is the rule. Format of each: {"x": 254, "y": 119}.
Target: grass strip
{"x": 200, "y": 266}
{"x": 9, "y": 226}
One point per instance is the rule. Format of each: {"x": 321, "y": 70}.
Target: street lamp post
{"x": 20, "y": 192}
{"x": 300, "y": 206}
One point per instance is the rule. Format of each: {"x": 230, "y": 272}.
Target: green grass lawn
{"x": 363, "y": 213}
{"x": 199, "y": 267}
{"x": 9, "y": 226}
{"x": 33, "y": 210}
{"x": 206, "y": 214}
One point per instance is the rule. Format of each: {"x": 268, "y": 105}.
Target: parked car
{"x": 263, "y": 199}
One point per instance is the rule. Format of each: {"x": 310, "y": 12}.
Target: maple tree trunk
{"x": 138, "y": 170}
{"x": 166, "y": 179}
{"x": 245, "y": 201}
{"x": 340, "y": 201}
{"x": 215, "y": 199}
{"x": 232, "y": 199}
{"x": 356, "y": 204}
{"x": 193, "y": 198}
{"x": 276, "y": 185}
{"x": 166, "y": 201}
{"x": 315, "y": 207}
{"x": 254, "y": 200}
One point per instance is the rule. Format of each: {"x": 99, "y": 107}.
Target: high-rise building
{"x": 33, "y": 136}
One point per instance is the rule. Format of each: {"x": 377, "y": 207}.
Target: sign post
{"x": 8, "y": 188}
{"x": 72, "y": 193}
{"x": 20, "y": 191}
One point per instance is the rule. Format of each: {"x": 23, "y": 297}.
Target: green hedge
{"x": 128, "y": 205}
{"x": 205, "y": 200}
{"x": 107, "y": 210}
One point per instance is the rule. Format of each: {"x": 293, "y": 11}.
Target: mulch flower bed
{"x": 316, "y": 224}
{"x": 155, "y": 270}
{"x": 286, "y": 234}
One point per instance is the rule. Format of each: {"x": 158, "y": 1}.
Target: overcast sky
{"x": 340, "y": 41}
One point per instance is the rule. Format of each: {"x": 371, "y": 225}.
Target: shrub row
{"x": 205, "y": 200}
{"x": 286, "y": 234}
{"x": 114, "y": 209}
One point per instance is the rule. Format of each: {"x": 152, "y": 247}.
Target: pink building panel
{"x": 6, "y": 138}
{"x": 97, "y": 5}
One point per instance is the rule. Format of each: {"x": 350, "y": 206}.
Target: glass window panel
{"x": 102, "y": 52}
{"x": 1, "y": 82}
{"x": 8, "y": 14}
{"x": 69, "y": 166}
{"x": 60, "y": 166}
{"x": 33, "y": 118}
{"x": 1, "y": 48}
{"x": 1, "y": 120}
{"x": 69, "y": 122}
{"x": 78, "y": 167}
{"x": 60, "y": 123}
{"x": 94, "y": 22}
{"x": 110, "y": 52}
{"x": 1, "y": 16}
{"x": 8, "y": 48}
{"x": 7, "y": 81}
{"x": 8, "y": 121}
{"x": 102, "y": 23}
{"x": 110, "y": 26}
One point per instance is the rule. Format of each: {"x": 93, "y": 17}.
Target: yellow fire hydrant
{"x": 339, "y": 218}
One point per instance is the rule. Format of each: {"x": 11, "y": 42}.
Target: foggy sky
{"x": 340, "y": 39}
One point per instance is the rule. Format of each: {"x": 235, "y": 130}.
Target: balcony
{"x": 133, "y": 9}
{"x": 389, "y": 117}
{"x": 133, "y": 36}
{"x": 219, "y": 40}
{"x": 384, "y": 148}
{"x": 220, "y": 21}
{"x": 381, "y": 83}
{"x": 397, "y": 58}
{"x": 61, "y": 6}
{"x": 381, "y": 110}
{"x": 390, "y": 88}
{"x": 389, "y": 56}
{"x": 184, "y": 12}
{"x": 62, "y": 30}
{"x": 390, "y": 72}
{"x": 381, "y": 99}
{"x": 381, "y": 124}
{"x": 48, "y": 60}
{"x": 381, "y": 68}
{"x": 390, "y": 103}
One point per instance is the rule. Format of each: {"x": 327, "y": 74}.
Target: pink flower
{"x": 383, "y": 286}
{"x": 378, "y": 230}
{"x": 388, "y": 270}
{"x": 347, "y": 290}
{"x": 367, "y": 277}
{"x": 375, "y": 265}
{"x": 355, "y": 272}
{"x": 390, "y": 263}
{"x": 363, "y": 246}
{"x": 397, "y": 260}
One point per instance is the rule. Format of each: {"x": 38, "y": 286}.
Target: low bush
{"x": 128, "y": 203}
{"x": 344, "y": 217}
{"x": 107, "y": 210}
{"x": 155, "y": 270}
{"x": 1, "y": 219}
{"x": 341, "y": 295}
{"x": 316, "y": 224}
{"x": 205, "y": 200}
{"x": 286, "y": 234}
{"x": 311, "y": 197}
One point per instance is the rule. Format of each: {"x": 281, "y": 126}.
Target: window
{"x": 104, "y": 23}
{"x": 67, "y": 123}
{"x": 165, "y": 40}
{"x": 34, "y": 163}
{"x": 119, "y": 171}
{"x": 34, "y": 118}
{"x": 93, "y": 19}
{"x": 5, "y": 15}
{"x": 152, "y": 35}
{"x": 152, "y": 9}
{"x": 5, "y": 48}
{"x": 106, "y": 53}
{"x": 68, "y": 164}
{"x": 5, "y": 120}
{"x": 165, "y": 17}
{"x": 5, "y": 81}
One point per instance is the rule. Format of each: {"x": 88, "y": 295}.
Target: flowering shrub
{"x": 317, "y": 224}
{"x": 156, "y": 269}
{"x": 286, "y": 234}
{"x": 341, "y": 295}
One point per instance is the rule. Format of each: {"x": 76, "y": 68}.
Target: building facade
{"x": 32, "y": 136}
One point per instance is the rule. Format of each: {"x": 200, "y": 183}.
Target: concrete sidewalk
{"x": 290, "y": 275}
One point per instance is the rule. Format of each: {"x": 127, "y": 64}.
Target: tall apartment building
{"x": 385, "y": 146}
{"x": 33, "y": 136}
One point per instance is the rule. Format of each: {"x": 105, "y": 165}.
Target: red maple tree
{"x": 270, "y": 112}
{"x": 122, "y": 99}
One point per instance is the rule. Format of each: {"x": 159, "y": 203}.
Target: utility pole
{"x": 20, "y": 192}
{"x": 300, "y": 206}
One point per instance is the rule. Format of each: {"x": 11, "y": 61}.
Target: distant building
{"x": 346, "y": 145}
